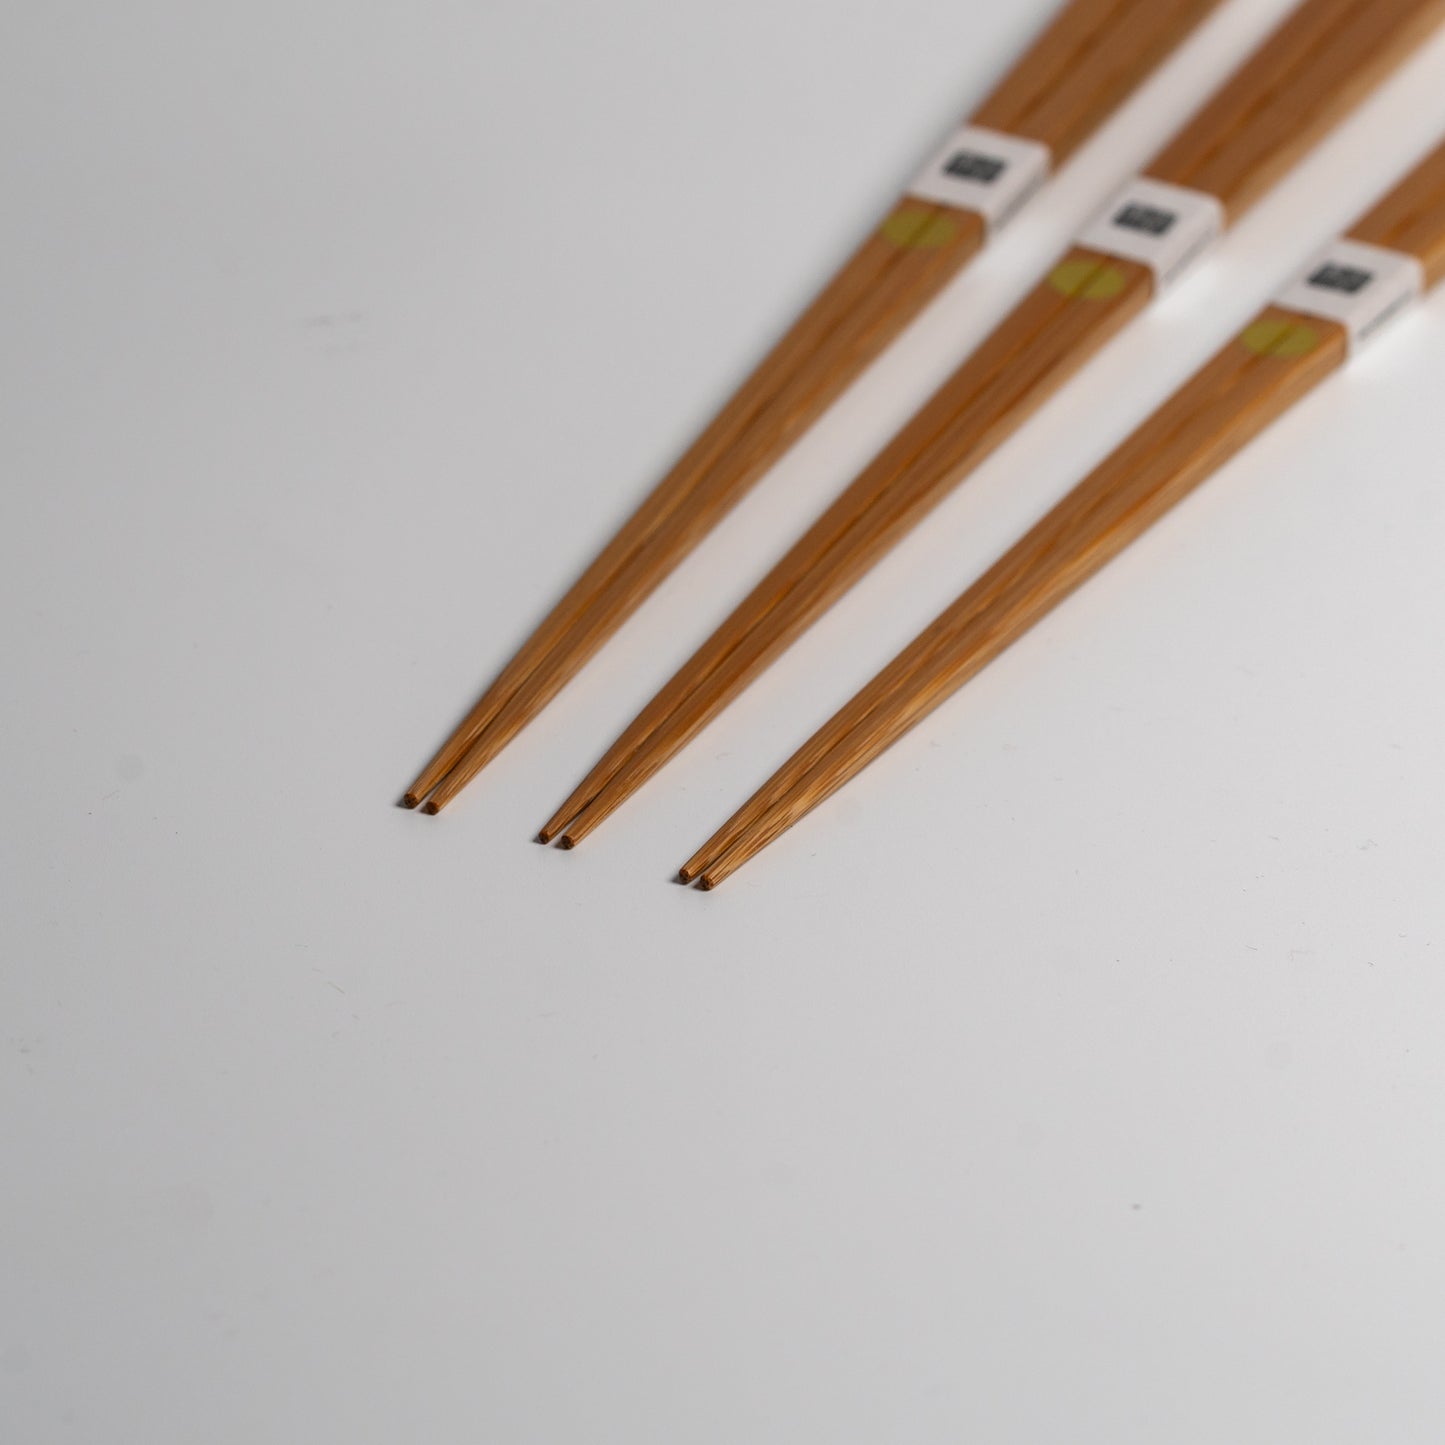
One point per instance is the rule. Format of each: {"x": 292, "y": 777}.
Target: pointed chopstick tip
{"x": 556, "y": 823}
{"x": 706, "y": 856}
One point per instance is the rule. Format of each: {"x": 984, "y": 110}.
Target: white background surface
{"x": 1076, "y": 1075}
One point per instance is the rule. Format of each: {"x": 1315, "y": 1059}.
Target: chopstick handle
{"x": 1312, "y": 72}
{"x": 1091, "y": 55}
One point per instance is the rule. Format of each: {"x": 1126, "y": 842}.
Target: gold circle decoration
{"x": 1276, "y": 337}
{"x": 919, "y": 229}
{"x": 1087, "y": 280}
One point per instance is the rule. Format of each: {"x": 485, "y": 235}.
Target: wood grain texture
{"x": 1075, "y": 74}
{"x": 1253, "y": 380}
{"x": 1311, "y": 73}
{"x": 1072, "y": 78}
{"x": 1246, "y": 135}
{"x": 1085, "y": 302}
{"x": 1412, "y": 217}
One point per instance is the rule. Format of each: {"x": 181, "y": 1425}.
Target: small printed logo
{"x": 971, "y": 166}
{"x": 1333, "y": 277}
{"x": 1145, "y": 218}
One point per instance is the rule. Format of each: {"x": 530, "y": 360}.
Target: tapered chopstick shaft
{"x": 920, "y": 235}
{"x": 1083, "y": 304}
{"x": 1252, "y": 381}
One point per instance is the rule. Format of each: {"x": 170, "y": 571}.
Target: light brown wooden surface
{"x": 1254, "y": 128}
{"x": 1080, "y": 70}
{"x": 868, "y": 303}
{"x": 1235, "y": 397}
{"x": 1412, "y": 217}
{"x": 1317, "y": 67}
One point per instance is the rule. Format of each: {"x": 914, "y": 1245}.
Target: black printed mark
{"x": 970, "y": 166}
{"x": 1332, "y": 277}
{"x": 1145, "y": 218}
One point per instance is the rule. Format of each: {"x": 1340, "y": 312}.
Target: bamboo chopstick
{"x": 1390, "y": 257}
{"x": 1088, "y": 61}
{"x": 1302, "y": 81}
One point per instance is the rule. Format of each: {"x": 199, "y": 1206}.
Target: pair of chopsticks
{"x": 1395, "y": 252}
{"x": 1317, "y": 67}
{"x": 1081, "y": 69}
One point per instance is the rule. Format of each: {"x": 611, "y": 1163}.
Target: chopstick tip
{"x": 431, "y": 809}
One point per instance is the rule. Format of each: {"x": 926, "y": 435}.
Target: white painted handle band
{"x": 1165, "y": 227}
{"x": 984, "y": 171}
{"x": 1358, "y": 285}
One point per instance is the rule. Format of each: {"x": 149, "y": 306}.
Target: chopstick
{"x": 1343, "y": 296}
{"x": 1083, "y": 66}
{"x": 1315, "y": 68}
